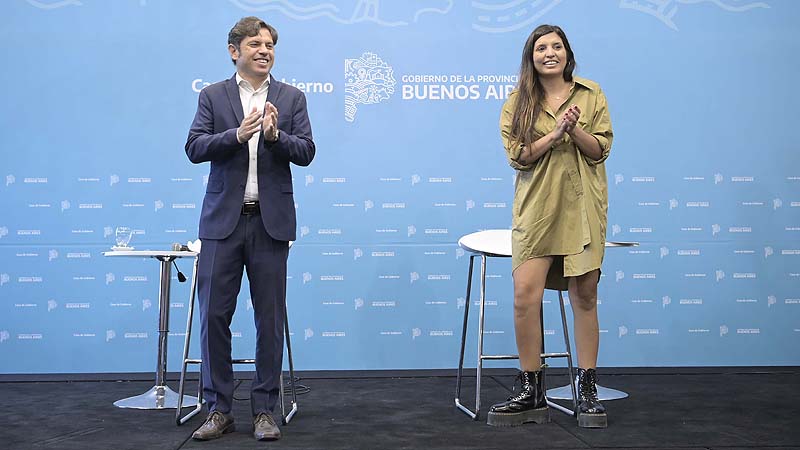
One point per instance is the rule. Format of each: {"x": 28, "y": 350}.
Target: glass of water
{"x": 123, "y": 237}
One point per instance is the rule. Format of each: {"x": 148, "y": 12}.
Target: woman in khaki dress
{"x": 557, "y": 134}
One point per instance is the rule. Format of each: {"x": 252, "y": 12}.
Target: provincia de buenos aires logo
{"x": 369, "y": 80}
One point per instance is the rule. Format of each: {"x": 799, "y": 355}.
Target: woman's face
{"x": 549, "y": 55}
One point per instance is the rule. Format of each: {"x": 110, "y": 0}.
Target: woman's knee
{"x": 529, "y": 281}
{"x": 584, "y": 298}
{"x": 583, "y": 291}
{"x": 526, "y": 301}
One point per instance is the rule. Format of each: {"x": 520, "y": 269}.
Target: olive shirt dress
{"x": 561, "y": 200}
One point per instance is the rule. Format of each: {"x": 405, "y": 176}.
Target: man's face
{"x": 255, "y": 56}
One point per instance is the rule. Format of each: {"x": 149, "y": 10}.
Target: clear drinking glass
{"x": 123, "y": 237}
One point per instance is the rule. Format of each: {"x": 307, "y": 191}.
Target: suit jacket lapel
{"x": 274, "y": 90}
{"x": 272, "y": 96}
{"x": 233, "y": 96}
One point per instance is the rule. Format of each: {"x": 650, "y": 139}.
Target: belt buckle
{"x": 249, "y": 208}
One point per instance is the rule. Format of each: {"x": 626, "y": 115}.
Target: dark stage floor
{"x": 713, "y": 411}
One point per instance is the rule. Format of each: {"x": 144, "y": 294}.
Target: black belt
{"x": 250, "y": 208}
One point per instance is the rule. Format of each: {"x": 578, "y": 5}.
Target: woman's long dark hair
{"x": 530, "y": 93}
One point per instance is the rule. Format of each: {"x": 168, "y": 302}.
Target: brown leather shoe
{"x": 215, "y": 426}
{"x": 265, "y": 428}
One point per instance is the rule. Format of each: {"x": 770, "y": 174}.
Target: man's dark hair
{"x": 249, "y": 27}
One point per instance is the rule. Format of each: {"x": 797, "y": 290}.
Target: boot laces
{"x": 588, "y": 385}
{"x": 522, "y": 380}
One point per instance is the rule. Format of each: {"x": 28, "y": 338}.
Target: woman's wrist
{"x": 556, "y": 136}
{"x": 572, "y": 131}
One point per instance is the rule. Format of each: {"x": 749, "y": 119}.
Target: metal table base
{"x": 158, "y": 397}
{"x": 603, "y": 393}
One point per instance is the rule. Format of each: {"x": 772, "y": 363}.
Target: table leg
{"x": 159, "y": 396}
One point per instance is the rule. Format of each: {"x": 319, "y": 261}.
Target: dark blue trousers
{"x": 220, "y": 269}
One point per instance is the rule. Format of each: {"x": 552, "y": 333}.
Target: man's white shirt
{"x": 250, "y": 98}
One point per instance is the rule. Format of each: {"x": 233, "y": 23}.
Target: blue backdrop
{"x": 404, "y": 99}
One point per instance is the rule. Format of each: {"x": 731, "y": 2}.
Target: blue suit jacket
{"x": 212, "y": 137}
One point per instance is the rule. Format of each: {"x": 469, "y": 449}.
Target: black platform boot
{"x": 591, "y": 413}
{"x": 527, "y": 405}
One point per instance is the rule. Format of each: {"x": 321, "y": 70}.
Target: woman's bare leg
{"x": 583, "y": 298}
{"x": 529, "y": 281}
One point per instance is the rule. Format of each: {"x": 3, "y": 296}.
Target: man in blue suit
{"x": 250, "y": 128}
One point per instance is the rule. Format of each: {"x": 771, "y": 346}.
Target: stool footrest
{"x": 555, "y": 355}
{"x": 499, "y": 356}
{"x": 555, "y": 405}
{"x": 243, "y": 361}
{"x": 233, "y": 361}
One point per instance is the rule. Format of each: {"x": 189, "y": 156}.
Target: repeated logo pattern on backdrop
{"x": 404, "y": 99}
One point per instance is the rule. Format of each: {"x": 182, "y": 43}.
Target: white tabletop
{"x": 490, "y": 242}
{"x": 498, "y": 243}
{"x": 621, "y": 244}
{"x": 151, "y": 253}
